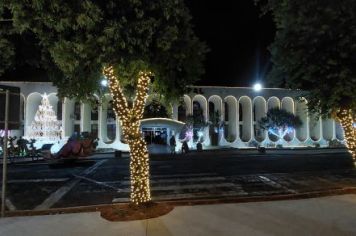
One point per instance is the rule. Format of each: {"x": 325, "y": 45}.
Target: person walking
{"x": 185, "y": 148}
{"x": 172, "y": 143}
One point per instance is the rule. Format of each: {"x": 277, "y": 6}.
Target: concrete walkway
{"x": 334, "y": 215}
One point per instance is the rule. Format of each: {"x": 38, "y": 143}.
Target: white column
{"x": 118, "y": 131}
{"x": 68, "y": 117}
{"x": 25, "y": 118}
{"x": 302, "y": 133}
{"x": 328, "y": 129}
{"x": 85, "y": 115}
{"x": 102, "y": 122}
{"x": 175, "y": 111}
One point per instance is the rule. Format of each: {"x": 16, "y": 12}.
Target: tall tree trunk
{"x": 139, "y": 165}
{"x": 346, "y": 119}
{"x": 130, "y": 118}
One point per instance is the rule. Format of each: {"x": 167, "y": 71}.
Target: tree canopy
{"x": 279, "y": 118}
{"x": 279, "y": 122}
{"x": 315, "y": 50}
{"x": 155, "y": 109}
{"x": 77, "y": 38}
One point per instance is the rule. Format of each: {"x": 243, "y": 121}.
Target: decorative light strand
{"x": 347, "y": 120}
{"x": 130, "y": 119}
{"x": 45, "y": 124}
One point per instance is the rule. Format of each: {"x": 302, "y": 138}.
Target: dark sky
{"x": 238, "y": 39}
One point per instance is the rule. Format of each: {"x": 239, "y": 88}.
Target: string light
{"x": 45, "y": 124}
{"x": 130, "y": 120}
{"x": 346, "y": 120}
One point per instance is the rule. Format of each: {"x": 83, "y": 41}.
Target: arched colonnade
{"x": 241, "y": 115}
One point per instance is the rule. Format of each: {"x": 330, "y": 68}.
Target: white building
{"x": 239, "y": 108}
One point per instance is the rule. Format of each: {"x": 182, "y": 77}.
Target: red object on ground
{"x": 76, "y": 148}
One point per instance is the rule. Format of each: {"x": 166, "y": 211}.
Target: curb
{"x": 296, "y": 196}
{"x": 189, "y": 202}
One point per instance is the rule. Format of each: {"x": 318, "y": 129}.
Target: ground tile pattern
{"x": 36, "y": 185}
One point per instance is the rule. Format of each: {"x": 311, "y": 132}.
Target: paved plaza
{"x": 325, "y": 216}
{"x": 218, "y": 174}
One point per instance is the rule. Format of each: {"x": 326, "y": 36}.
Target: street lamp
{"x": 104, "y": 82}
{"x": 257, "y": 87}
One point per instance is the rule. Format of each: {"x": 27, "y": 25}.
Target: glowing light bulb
{"x": 257, "y": 87}
{"x": 104, "y": 83}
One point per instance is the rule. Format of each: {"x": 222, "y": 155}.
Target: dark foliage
{"x": 315, "y": 50}
{"x": 279, "y": 118}
{"x": 78, "y": 38}
{"x": 155, "y": 109}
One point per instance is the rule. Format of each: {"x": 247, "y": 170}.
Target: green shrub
{"x": 317, "y": 145}
{"x": 253, "y": 143}
{"x": 335, "y": 143}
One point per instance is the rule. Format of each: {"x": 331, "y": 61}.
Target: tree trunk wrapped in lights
{"x": 130, "y": 118}
{"x": 346, "y": 120}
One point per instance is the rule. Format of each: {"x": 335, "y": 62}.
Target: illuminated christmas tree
{"x": 45, "y": 124}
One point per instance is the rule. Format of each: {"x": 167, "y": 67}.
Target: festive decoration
{"x": 45, "y": 124}
{"x": 347, "y": 121}
{"x": 2, "y": 133}
{"x": 280, "y": 132}
{"x": 130, "y": 118}
{"x": 279, "y": 122}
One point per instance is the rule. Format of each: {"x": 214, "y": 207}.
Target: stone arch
{"x": 245, "y": 121}
{"x": 217, "y": 101}
{"x": 328, "y": 126}
{"x": 288, "y": 105}
{"x": 301, "y": 110}
{"x": 231, "y": 118}
{"x": 273, "y": 102}
{"x": 203, "y": 104}
{"x": 215, "y": 109}
{"x": 53, "y": 100}
{"x": 259, "y": 111}
{"x": 200, "y": 108}
{"x": 314, "y": 127}
{"x": 185, "y": 108}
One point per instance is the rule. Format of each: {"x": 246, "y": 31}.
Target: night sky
{"x": 238, "y": 39}
{"x": 235, "y": 34}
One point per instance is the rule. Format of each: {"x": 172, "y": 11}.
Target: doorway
{"x": 155, "y": 135}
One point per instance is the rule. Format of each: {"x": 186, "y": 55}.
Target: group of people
{"x": 18, "y": 147}
{"x": 173, "y": 144}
